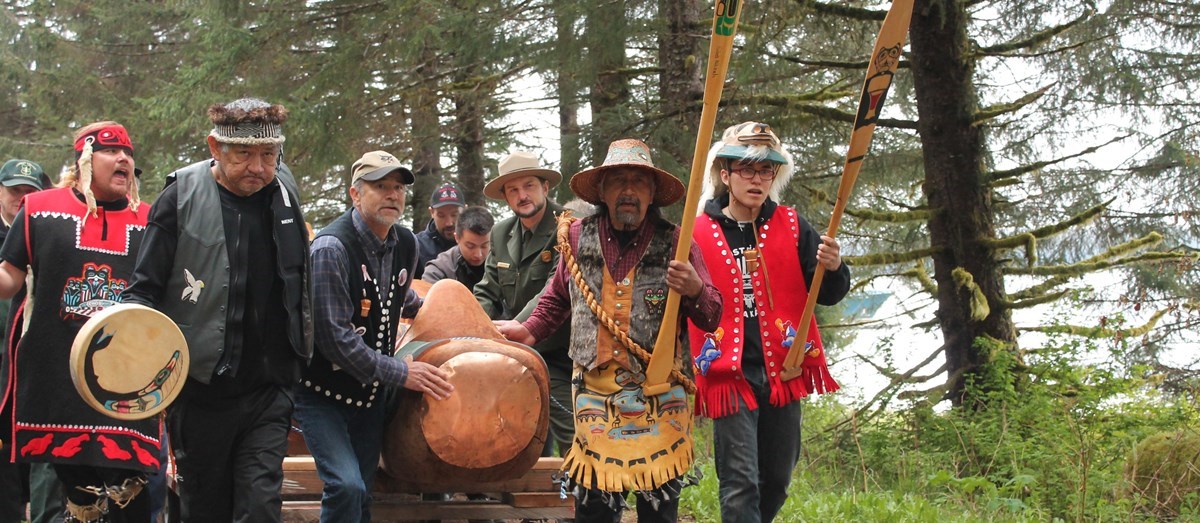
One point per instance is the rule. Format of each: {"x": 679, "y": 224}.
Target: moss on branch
{"x": 978, "y": 302}
{"x": 1102, "y": 330}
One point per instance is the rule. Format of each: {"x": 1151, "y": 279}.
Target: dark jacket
{"x": 430, "y": 243}
{"x": 188, "y": 232}
{"x": 452, "y": 265}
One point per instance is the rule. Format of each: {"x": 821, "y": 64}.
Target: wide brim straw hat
{"x": 516, "y": 165}
{"x": 628, "y": 153}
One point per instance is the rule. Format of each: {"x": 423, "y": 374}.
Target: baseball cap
{"x": 446, "y": 194}
{"x": 22, "y": 172}
{"x": 377, "y": 164}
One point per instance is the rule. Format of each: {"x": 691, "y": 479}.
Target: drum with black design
{"x": 493, "y": 426}
{"x": 129, "y": 362}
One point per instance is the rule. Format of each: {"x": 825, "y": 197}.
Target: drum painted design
{"x": 129, "y": 362}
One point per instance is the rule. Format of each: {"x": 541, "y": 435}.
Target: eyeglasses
{"x": 747, "y": 173}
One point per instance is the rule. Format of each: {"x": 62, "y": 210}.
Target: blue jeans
{"x": 345, "y": 443}
{"x": 756, "y": 451}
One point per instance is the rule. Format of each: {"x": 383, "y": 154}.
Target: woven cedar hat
{"x": 516, "y": 165}
{"x": 633, "y": 153}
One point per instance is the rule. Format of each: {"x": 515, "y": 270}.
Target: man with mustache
{"x": 445, "y": 205}
{"x": 362, "y": 277}
{"x": 93, "y": 225}
{"x": 770, "y": 254}
{"x": 226, "y": 258}
{"x": 611, "y": 284}
{"x": 523, "y": 259}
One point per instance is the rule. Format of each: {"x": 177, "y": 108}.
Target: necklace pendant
{"x": 751, "y": 256}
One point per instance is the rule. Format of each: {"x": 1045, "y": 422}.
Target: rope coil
{"x": 564, "y": 249}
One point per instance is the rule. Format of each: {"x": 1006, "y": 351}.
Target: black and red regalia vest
{"x": 80, "y": 264}
{"x": 722, "y": 382}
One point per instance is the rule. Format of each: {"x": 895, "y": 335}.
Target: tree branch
{"x": 1039, "y": 37}
{"x": 994, "y": 111}
{"x": 842, "y": 10}
{"x": 1025, "y": 169}
{"x": 1099, "y": 331}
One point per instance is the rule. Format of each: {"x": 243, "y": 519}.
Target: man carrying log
{"x": 363, "y": 266}
{"x": 611, "y": 282}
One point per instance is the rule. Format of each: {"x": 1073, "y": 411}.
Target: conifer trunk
{"x": 606, "y": 33}
{"x": 567, "y": 90}
{"x": 680, "y": 82}
{"x": 956, "y": 188}
{"x": 427, "y": 139}
{"x": 469, "y": 107}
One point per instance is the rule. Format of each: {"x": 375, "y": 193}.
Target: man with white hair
{"x": 363, "y": 265}
{"x": 762, "y": 255}
{"x": 226, "y": 257}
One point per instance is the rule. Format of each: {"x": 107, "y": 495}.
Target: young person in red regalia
{"x": 80, "y": 242}
{"x": 762, "y": 257}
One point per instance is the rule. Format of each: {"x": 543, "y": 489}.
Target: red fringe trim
{"x": 719, "y": 401}
{"x": 816, "y": 378}
{"x": 784, "y": 392}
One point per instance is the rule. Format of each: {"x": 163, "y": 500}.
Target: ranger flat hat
{"x": 516, "y": 165}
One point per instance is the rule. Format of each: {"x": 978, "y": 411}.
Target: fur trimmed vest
{"x": 636, "y": 300}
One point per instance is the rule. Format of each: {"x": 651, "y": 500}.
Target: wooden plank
{"x": 300, "y": 480}
{"x": 299, "y": 463}
{"x": 533, "y": 496}
{"x": 387, "y": 511}
{"x": 537, "y": 499}
{"x": 539, "y": 478}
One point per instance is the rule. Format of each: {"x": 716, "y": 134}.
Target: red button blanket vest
{"x": 80, "y": 265}
{"x": 719, "y": 377}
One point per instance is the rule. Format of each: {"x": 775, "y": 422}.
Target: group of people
{"x": 281, "y": 328}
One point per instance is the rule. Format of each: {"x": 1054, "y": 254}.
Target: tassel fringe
{"x": 645, "y": 478}
{"x": 816, "y": 377}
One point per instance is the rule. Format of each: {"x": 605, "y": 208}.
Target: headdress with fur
{"x": 750, "y": 142}
{"x": 248, "y": 121}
